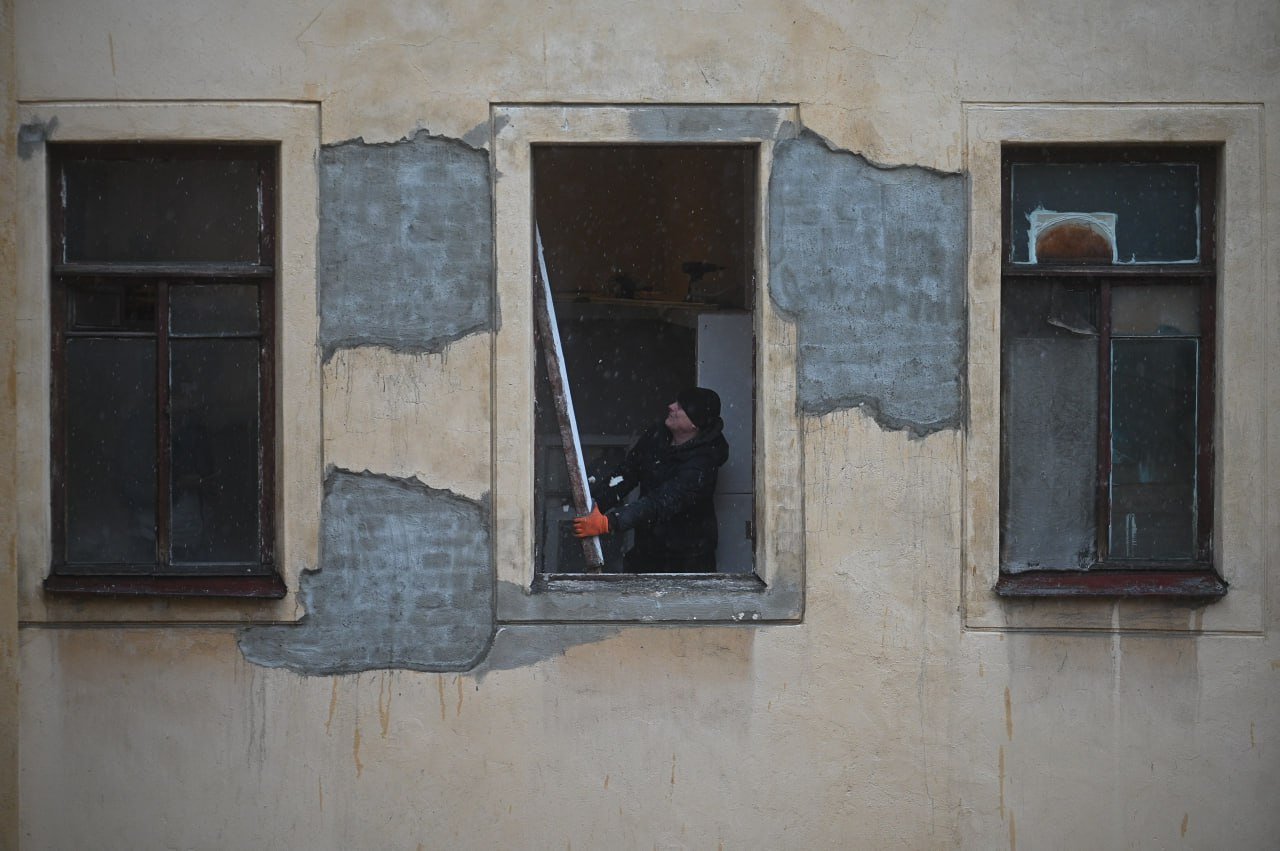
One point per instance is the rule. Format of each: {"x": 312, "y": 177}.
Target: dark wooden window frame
{"x": 255, "y": 580}
{"x": 1197, "y": 578}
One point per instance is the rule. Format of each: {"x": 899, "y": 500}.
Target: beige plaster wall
{"x": 9, "y": 664}
{"x": 881, "y": 721}
{"x": 423, "y": 415}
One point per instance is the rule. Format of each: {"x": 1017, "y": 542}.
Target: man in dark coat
{"x": 675, "y": 464}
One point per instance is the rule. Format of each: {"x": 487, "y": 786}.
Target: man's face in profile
{"x": 678, "y": 423}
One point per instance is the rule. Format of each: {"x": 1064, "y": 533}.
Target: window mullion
{"x": 58, "y": 357}
{"x": 1103, "y": 506}
{"x": 266, "y": 421}
{"x": 163, "y": 438}
{"x": 1205, "y": 406}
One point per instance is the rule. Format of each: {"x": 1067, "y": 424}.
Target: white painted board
{"x": 549, "y": 333}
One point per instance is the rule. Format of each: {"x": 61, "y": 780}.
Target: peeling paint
{"x": 405, "y": 244}
{"x": 33, "y": 135}
{"x": 870, "y": 263}
{"x": 405, "y": 582}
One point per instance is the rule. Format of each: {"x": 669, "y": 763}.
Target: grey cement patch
{"x": 520, "y": 646}
{"x": 478, "y": 136}
{"x": 726, "y": 599}
{"x": 405, "y": 581}
{"x": 870, "y": 263}
{"x": 406, "y": 244}
{"x": 33, "y": 135}
{"x": 711, "y": 124}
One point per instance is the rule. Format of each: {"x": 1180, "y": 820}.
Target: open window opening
{"x": 650, "y": 255}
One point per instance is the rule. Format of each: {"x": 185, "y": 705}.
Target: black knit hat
{"x": 701, "y": 406}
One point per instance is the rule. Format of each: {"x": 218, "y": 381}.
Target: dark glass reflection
{"x": 213, "y": 309}
{"x": 112, "y": 306}
{"x": 111, "y": 460}
{"x": 1157, "y": 205}
{"x": 1153, "y": 448}
{"x": 1165, "y": 310}
{"x": 161, "y": 210}
{"x": 214, "y": 421}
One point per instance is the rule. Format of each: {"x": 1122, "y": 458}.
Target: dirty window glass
{"x": 214, "y": 416}
{"x": 219, "y": 309}
{"x": 1153, "y": 448}
{"x": 111, "y": 457}
{"x": 1154, "y": 207}
{"x": 161, "y": 210}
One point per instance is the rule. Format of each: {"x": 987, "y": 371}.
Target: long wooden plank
{"x": 549, "y": 334}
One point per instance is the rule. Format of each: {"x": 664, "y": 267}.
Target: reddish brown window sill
{"x": 269, "y": 587}
{"x": 1113, "y": 583}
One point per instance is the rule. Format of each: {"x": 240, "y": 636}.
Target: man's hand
{"x": 591, "y": 525}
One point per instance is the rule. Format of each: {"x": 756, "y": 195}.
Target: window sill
{"x": 648, "y": 583}
{"x": 668, "y": 598}
{"x": 269, "y": 587}
{"x": 1190, "y": 584}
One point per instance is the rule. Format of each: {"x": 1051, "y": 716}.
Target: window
{"x": 650, "y": 252}
{"x": 162, "y": 360}
{"x": 638, "y": 206}
{"x": 1108, "y": 304}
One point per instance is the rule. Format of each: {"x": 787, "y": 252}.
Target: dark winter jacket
{"x": 674, "y": 517}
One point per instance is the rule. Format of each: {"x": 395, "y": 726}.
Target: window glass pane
{"x": 1155, "y": 205}
{"x": 1049, "y": 427}
{"x": 146, "y": 210}
{"x": 1044, "y": 309}
{"x": 214, "y": 416}
{"x": 1153, "y": 447}
{"x": 112, "y": 307}
{"x": 111, "y": 461}
{"x": 1155, "y": 310}
{"x": 213, "y": 309}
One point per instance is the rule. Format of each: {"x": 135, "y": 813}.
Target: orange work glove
{"x": 591, "y": 525}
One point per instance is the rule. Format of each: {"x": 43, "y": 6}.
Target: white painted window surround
{"x": 1245, "y": 333}
{"x": 296, "y": 128}
{"x": 776, "y": 592}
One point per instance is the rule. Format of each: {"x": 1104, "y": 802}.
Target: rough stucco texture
{"x": 406, "y": 244}
{"x": 404, "y": 582}
{"x": 870, "y": 263}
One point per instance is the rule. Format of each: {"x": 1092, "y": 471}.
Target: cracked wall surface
{"x": 870, "y": 263}
{"x": 406, "y": 244}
